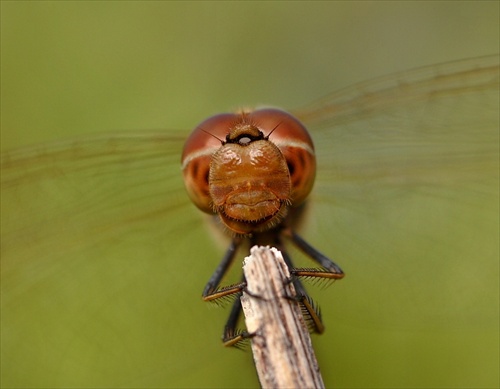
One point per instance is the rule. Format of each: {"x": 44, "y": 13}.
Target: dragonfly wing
{"x": 407, "y": 202}
{"x": 102, "y": 270}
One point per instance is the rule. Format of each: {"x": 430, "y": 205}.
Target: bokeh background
{"x": 84, "y": 67}
{"x": 79, "y": 69}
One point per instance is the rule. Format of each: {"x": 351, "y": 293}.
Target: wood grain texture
{"x": 282, "y": 349}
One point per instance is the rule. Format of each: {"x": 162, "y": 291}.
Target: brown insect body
{"x": 249, "y": 182}
{"x": 249, "y": 168}
{"x": 254, "y": 170}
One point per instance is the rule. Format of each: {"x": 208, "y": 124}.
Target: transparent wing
{"x": 407, "y": 202}
{"x": 89, "y": 183}
{"x": 103, "y": 264}
{"x": 104, "y": 258}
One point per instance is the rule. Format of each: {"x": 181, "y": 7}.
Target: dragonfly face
{"x": 254, "y": 184}
{"x": 249, "y": 168}
{"x": 99, "y": 243}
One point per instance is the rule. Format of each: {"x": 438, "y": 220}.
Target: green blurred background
{"x": 79, "y": 68}
{"x": 84, "y": 67}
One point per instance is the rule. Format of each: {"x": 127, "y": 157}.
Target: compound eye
{"x": 288, "y": 134}
{"x": 196, "y": 181}
{"x": 197, "y": 154}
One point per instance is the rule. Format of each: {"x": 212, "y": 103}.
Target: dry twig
{"x": 282, "y": 349}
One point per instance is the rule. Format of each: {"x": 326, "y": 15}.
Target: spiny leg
{"x": 233, "y": 336}
{"x": 329, "y": 270}
{"x": 309, "y": 309}
{"x": 324, "y": 261}
{"x": 212, "y": 290}
{"x": 299, "y": 287}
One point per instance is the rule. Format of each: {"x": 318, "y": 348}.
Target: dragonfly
{"x": 257, "y": 187}
{"x": 104, "y": 256}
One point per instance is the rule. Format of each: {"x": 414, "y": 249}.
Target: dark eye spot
{"x": 302, "y": 160}
{"x": 194, "y": 169}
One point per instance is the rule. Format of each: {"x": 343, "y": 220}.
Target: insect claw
{"x": 236, "y": 338}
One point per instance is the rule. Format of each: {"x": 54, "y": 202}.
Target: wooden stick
{"x": 282, "y": 349}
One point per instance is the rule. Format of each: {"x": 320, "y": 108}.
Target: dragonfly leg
{"x": 310, "y": 310}
{"x": 329, "y": 270}
{"x": 212, "y": 291}
{"x": 232, "y": 336}
{"x": 325, "y": 262}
